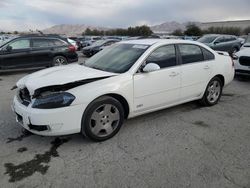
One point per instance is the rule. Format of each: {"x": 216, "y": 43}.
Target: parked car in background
{"x": 36, "y": 51}
{"x": 246, "y": 43}
{"x": 98, "y": 46}
{"x": 89, "y": 40}
{"x": 77, "y": 42}
{"x": 74, "y": 43}
{"x": 242, "y": 59}
{"x": 227, "y": 43}
{"x": 127, "y": 79}
{"x": 5, "y": 38}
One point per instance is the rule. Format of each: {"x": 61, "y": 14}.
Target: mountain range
{"x": 74, "y": 30}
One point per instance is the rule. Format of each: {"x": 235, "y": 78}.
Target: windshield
{"x": 98, "y": 43}
{"x": 117, "y": 58}
{"x": 207, "y": 39}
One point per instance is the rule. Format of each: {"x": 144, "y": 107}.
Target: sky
{"x": 22, "y": 15}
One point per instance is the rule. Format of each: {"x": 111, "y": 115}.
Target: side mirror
{"x": 151, "y": 67}
{"x": 216, "y": 42}
{"x": 9, "y": 48}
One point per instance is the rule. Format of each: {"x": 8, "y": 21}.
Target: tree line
{"x": 131, "y": 31}
{"x": 194, "y": 30}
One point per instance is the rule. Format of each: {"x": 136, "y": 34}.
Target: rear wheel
{"x": 213, "y": 92}
{"x": 102, "y": 119}
{"x": 59, "y": 60}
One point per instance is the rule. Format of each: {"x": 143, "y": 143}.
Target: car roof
{"x": 159, "y": 41}
{"x": 219, "y": 35}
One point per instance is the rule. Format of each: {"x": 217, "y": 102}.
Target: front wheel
{"x": 102, "y": 119}
{"x": 213, "y": 92}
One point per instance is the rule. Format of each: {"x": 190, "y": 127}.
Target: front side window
{"x": 190, "y": 53}
{"x": 20, "y": 44}
{"x": 117, "y": 58}
{"x": 220, "y": 40}
{"x": 164, "y": 56}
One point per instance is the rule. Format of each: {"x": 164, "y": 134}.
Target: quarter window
{"x": 20, "y": 44}
{"x": 207, "y": 55}
{"x": 164, "y": 56}
{"x": 190, "y": 53}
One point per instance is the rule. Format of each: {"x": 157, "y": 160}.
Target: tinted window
{"x": 56, "y": 42}
{"x": 207, "y": 39}
{"x": 164, "y": 56}
{"x": 229, "y": 39}
{"x": 207, "y": 55}
{"x": 220, "y": 39}
{"x": 190, "y": 53}
{"x": 20, "y": 44}
{"x": 40, "y": 43}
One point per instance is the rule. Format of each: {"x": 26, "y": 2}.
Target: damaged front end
{"x": 54, "y": 96}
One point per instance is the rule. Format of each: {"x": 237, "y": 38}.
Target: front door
{"x": 17, "y": 54}
{"x": 161, "y": 88}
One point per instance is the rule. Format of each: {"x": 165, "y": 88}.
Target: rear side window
{"x": 40, "y": 43}
{"x": 164, "y": 56}
{"x": 207, "y": 55}
{"x": 56, "y": 42}
{"x": 229, "y": 39}
{"x": 190, "y": 53}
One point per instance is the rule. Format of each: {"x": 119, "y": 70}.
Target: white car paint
{"x": 144, "y": 92}
{"x": 242, "y": 69}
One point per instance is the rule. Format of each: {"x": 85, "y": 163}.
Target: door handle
{"x": 173, "y": 74}
{"x": 206, "y": 67}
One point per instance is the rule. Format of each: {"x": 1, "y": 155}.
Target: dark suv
{"x": 36, "y": 51}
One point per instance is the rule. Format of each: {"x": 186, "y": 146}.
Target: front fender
{"x": 120, "y": 85}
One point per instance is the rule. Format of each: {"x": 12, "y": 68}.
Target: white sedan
{"x": 128, "y": 79}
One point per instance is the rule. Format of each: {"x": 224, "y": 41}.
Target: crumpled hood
{"x": 59, "y": 76}
{"x": 244, "y": 52}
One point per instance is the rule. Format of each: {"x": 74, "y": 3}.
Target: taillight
{"x": 72, "y": 48}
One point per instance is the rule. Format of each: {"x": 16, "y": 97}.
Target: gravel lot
{"x": 184, "y": 146}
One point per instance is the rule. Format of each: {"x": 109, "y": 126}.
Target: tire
{"x": 213, "y": 92}
{"x": 59, "y": 60}
{"x": 102, "y": 119}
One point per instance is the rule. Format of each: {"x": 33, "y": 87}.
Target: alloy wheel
{"x": 104, "y": 120}
{"x": 214, "y": 90}
{"x": 60, "y": 61}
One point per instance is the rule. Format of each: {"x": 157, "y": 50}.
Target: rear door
{"x": 17, "y": 54}
{"x": 41, "y": 51}
{"x": 196, "y": 69}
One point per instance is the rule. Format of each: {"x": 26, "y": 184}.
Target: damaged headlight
{"x": 54, "y": 100}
